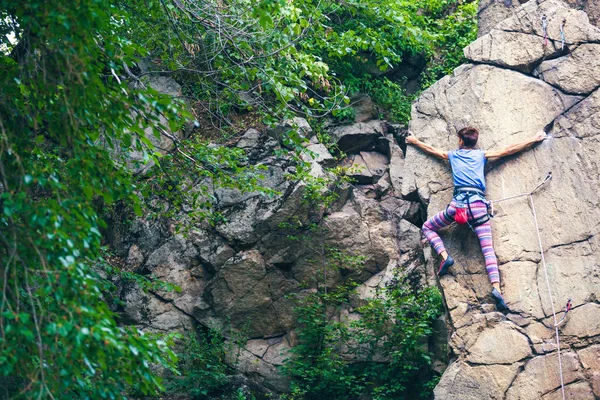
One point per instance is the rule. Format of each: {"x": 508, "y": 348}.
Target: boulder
{"x": 517, "y": 41}
{"x": 491, "y": 12}
{"x": 490, "y": 346}
{"x": 576, "y": 390}
{"x": 584, "y": 321}
{"x": 265, "y": 373}
{"x": 462, "y": 381}
{"x": 592, "y": 8}
{"x": 376, "y": 163}
{"x": 590, "y": 357}
{"x": 243, "y": 292}
{"x": 364, "y": 108}
{"x": 319, "y": 153}
{"x": 396, "y": 167}
{"x": 257, "y": 145}
{"x": 528, "y": 17}
{"x": 297, "y": 124}
{"x": 357, "y": 169}
{"x": 575, "y": 73}
{"x": 516, "y": 50}
{"x": 362, "y": 136}
{"x": 541, "y": 376}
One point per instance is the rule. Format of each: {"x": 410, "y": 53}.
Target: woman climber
{"x": 468, "y": 204}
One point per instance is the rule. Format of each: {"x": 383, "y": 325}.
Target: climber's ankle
{"x": 444, "y": 255}
{"x": 497, "y": 286}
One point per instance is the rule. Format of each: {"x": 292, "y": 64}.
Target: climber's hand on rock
{"x": 411, "y": 139}
{"x": 540, "y": 137}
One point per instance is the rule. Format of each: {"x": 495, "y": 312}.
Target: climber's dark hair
{"x": 469, "y": 137}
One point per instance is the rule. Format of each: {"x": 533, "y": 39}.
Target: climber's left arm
{"x": 442, "y": 155}
{"x": 515, "y": 148}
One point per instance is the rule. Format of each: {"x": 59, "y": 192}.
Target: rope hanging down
{"x": 537, "y": 228}
{"x": 562, "y": 383}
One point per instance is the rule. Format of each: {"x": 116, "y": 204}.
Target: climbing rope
{"x": 546, "y": 179}
{"x": 562, "y": 382}
{"x": 545, "y": 29}
{"x": 539, "y": 237}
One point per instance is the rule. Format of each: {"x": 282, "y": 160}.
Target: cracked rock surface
{"x": 491, "y": 12}
{"x": 512, "y": 90}
{"x": 238, "y": 275}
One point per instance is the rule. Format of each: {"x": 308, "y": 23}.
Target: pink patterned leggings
{"x": 484, "y": 233}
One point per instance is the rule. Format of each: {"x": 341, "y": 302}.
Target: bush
{"x": 201, "y": 363}
{"x": 387, "y": 345}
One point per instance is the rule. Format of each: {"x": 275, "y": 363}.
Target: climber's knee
{"x": 427, "y": 227}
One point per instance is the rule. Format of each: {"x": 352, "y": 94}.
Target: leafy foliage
{"x": 66, "y": 113}
{"x": 237, "y": 55}
{"x": 280, "y": 57}
{"x": 455, "y": 32}
{"x": 388, "y": 345}
{"x": 203, "y": 361}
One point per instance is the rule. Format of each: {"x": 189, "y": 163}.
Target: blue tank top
{"x": 468, "y": 168}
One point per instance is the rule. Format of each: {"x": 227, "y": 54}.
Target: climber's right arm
{"x": 516, "y": 148}
{"x": 442, "y": 155}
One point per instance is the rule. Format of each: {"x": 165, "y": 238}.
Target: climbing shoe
{"x": 444, "y": 265}
{"x": 500, "y": 304}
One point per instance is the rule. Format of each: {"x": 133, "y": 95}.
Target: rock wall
{"x": 514, "y": 87}
{"x": 238, "y": 275}
{"x": 492, "y": 12}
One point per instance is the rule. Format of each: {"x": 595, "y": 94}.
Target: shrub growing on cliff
{"x": 202, "y": 362}
{"x": 383, "y": 354}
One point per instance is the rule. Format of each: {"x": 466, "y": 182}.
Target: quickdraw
{"x": 567, "y": 309}
{"x": 562, "y": 34}
{"x": 545, "y": 29}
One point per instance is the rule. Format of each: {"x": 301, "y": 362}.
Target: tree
{"x": 61, "y": 93}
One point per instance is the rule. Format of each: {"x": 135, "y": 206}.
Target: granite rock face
{"x": 238, "y": 275}
{"x": 512, "y": 93}
{"x": 491, "y": 12}
{"x": 577, "y": 73}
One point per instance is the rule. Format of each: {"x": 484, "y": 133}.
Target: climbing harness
{"x": 461, "y": 216}
{"x": 537, "y": 228}
{"x": 545, "y": 29}
{"x": 562, "y": 34}
{"x": 567, "y": 309}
